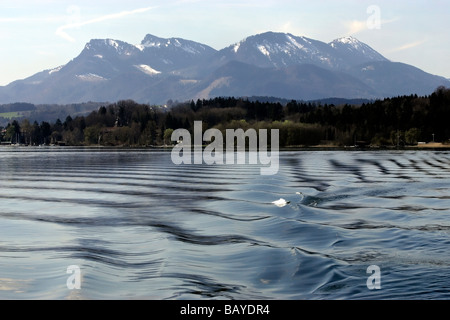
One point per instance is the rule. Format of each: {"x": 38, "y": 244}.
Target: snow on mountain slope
{"x": 355, "y": 52}
{"x": 147, "y": 69}
{"x": 55, "y": 69}
{"x": 271, "y": 63}
{"x": 90, "y": 77}
{"x": 279, "y": 50}
{"x": 191, "y": 47}
{"x": 103, "y": 47}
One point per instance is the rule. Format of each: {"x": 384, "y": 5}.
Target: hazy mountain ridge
{"x": 268, "y": 64}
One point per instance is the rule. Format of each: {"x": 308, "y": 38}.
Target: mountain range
{"x": 268, "y": 64}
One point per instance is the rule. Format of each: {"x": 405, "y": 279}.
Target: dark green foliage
{"x": 19, "y": 106}
{"x": 404, "y": 120}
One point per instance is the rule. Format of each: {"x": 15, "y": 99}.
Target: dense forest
{"x": 397, "y": 121}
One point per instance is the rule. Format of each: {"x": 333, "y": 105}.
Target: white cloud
{"x": 61, "y": 31}
{"x": 289, "y": 27}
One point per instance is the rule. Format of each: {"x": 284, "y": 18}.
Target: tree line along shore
{"x": 403, "y": 121}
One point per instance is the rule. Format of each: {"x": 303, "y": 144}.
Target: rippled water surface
{"x": 140, "y": 227}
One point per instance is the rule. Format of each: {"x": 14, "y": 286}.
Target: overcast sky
{"x": 43, "y": 34}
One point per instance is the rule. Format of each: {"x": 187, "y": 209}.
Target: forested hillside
{"x": 397, "y": 121}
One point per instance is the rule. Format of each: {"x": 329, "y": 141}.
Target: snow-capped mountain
{"x": 279, "y": 50}
{"x": 354, "y": 52}
{"x": 152, "y": 56}
{"x": 191, "y": 48}
{"x": 102, "y": 59}
{"x": 275, "y": 64}
{"x": 171, "y": 55}
{"x": 284, "y": 49}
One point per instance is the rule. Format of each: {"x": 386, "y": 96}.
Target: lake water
{"x": 140, "y": 227}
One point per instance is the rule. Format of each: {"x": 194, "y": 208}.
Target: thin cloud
{"x": 357, "y": 26}
{"x": 61, "y": 31}
{"x": 289, "y": 27}
{"x": 408, "y": 46}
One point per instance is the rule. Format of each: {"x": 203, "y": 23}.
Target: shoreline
{"x": 428, "y": 146}
{"x": 422, "y": 147}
